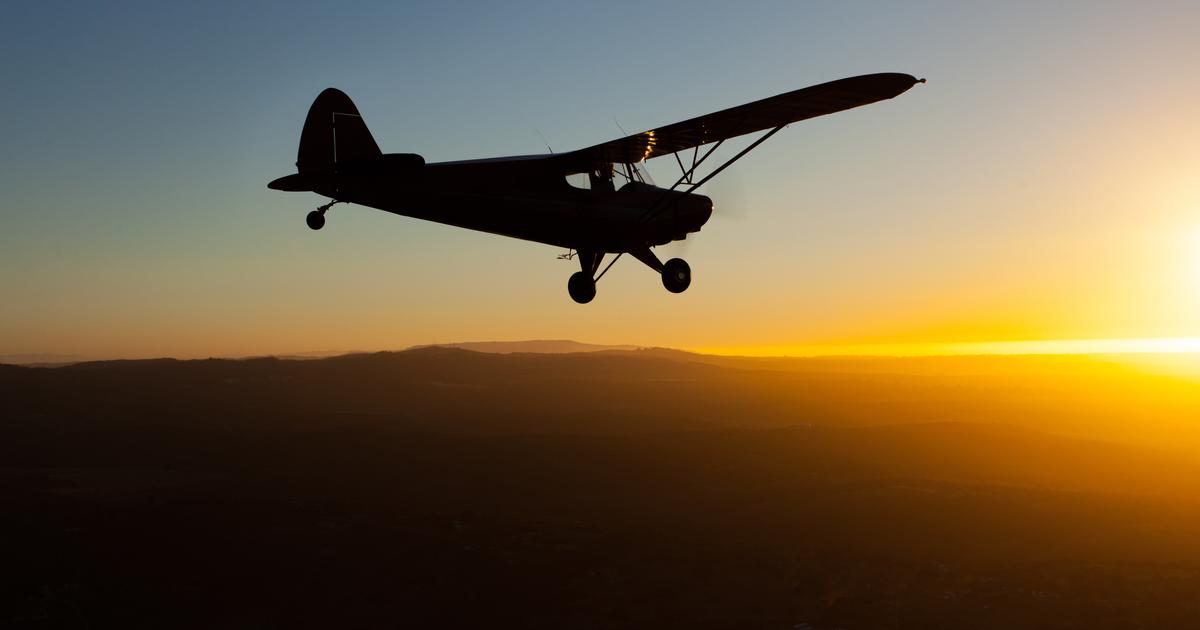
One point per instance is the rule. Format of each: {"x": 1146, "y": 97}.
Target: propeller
{"x": 729, "y": 202}
{"x": 729, "y": 196}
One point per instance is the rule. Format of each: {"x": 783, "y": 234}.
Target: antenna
{"x": 539, "y": 133}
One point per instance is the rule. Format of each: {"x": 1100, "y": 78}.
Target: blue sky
{"x": 1036, "y": 187}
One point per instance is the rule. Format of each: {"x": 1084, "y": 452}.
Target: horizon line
{"x": 1029, "y": 347}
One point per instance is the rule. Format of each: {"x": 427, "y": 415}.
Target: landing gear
{"x": 316, "y": 218}
{"x": 676, "y": 275}
{"x": 581, "y": 287}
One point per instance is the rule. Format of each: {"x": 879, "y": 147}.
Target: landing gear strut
{"x": 676, "y": 274}
{"x": 316, "y": 218}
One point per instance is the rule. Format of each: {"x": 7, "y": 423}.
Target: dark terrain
{"x": 448, "y": 488}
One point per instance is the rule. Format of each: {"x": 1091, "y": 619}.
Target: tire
{"x": 581, "y": 287}
{"x": 676, "y": 275}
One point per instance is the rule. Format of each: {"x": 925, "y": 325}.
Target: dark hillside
{"x": 445, "y": 487}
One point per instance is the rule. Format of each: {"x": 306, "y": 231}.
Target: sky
{"x": 1044, "y": 185}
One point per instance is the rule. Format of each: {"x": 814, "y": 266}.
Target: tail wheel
{"x": 581, "y": 287}
{"x": 315, "y": 220}
{"x": 676, "y": 275}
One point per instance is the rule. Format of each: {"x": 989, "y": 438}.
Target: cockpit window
{"x": 610, "y": 177}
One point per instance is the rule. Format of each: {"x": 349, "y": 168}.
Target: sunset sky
{"x": 1044, "y": 185}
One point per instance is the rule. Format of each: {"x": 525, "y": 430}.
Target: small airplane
{"x": 593, "y": 202}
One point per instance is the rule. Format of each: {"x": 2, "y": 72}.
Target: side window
{"x": 580, "y": 180}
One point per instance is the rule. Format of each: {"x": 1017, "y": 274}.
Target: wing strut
{"x": 687, "y": 177}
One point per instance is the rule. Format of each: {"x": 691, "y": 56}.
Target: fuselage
{"x": 522, "y": 199}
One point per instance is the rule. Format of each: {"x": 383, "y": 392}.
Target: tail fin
{"x": 333, "y": 132}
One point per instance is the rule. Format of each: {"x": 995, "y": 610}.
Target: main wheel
{"x": 676, "y": 275}
{"x": 581, "y": 287}
{"x": 315, "y": 220}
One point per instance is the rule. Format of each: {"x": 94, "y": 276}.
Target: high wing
{"x": 776, "y": 111}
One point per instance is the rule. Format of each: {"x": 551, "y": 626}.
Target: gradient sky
{"x": 1045, "y": 183}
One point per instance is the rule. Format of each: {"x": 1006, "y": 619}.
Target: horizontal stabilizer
{"x": 292, "y": 183}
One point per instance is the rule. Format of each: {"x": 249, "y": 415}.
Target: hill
{"x": 440, "y": 486}
{"x": 536, "y": 346}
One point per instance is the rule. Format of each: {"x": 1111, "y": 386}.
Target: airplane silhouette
{"x": 613, "y": 210}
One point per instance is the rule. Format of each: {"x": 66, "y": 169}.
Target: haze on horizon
{"x": 1044, "y": 185}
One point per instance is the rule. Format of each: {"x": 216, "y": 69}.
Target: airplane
{"x": 592, "y": 202}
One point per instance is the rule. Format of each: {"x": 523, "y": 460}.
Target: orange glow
{"x": 1178, "y": 345}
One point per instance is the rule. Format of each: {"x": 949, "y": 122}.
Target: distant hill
{"x": 534, "y": 346}
{"x": 609, "y": 391}
{"x": 446, "y": 487}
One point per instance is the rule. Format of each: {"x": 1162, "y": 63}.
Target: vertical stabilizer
{"x": 333, "y": 132}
